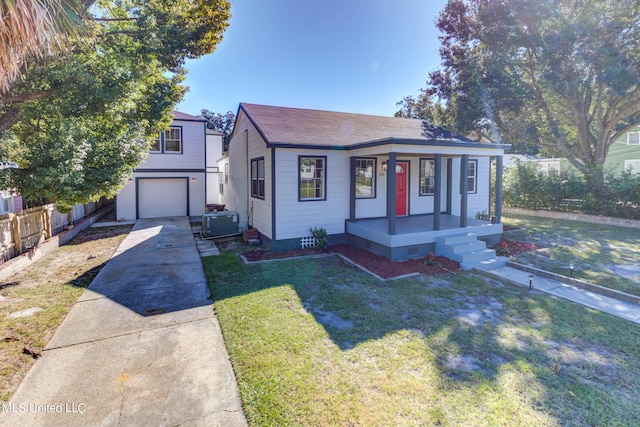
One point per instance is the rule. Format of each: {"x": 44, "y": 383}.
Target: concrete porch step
{"x": 468, "y": 251}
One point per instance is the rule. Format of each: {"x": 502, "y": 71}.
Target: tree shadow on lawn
{"x": 475, "y": 326}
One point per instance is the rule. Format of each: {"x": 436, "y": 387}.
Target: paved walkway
{"x": 564, "y": 289}
{"x": 141, "y": 347}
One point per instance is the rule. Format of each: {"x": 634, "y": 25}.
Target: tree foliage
{"x": 560, "y": 74}
{"x": 78, "y": 123}
{"x": 223, "y": 123}
{"x": 31, "y": 28}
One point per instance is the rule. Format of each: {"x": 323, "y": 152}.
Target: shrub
{"x": 320, "y": 236}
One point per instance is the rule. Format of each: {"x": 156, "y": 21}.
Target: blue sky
{"x": 359, "y": 56}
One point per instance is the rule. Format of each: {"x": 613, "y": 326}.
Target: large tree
{"x": 78, "y": 122}
{"x": 563, "y": 74}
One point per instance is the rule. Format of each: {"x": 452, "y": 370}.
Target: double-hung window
{"x": 257, "y": 178}
{"x": 427, "y": 177}
{"x": 168, "y": 141}
{"x": 472, "y": 176}
{"x": 365, "y": 178}
{"x": 312, "y": 179}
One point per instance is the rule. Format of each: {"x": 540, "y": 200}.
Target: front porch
{"x": 414, "y": 235}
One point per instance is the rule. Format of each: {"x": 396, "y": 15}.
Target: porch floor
{"x": 417, "y": 229}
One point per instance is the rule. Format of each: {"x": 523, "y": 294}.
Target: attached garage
{"x": 161, "y": 197}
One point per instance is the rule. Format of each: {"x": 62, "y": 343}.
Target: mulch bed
{"x": 375, "y": 263}
{"x": 516, "y": 248}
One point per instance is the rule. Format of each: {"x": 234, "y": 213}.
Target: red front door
{"x": 402, "y": 169}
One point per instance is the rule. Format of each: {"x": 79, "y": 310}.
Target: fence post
{"x": 15, "y": 229}
{"x": 48, "y": 229}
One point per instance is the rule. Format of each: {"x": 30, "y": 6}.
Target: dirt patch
{"x": 34, "y": 301}
{"x": 513, "y": 247}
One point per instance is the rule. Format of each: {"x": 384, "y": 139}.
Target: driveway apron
{"x": 142, "y": 345}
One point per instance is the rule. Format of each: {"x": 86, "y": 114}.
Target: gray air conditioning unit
{"x": 220, "y": 224}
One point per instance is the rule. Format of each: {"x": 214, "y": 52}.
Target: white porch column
{"x": 352, "y": 189}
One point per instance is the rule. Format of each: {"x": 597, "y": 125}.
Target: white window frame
{"x": 167, "y": 136}
{"x": 472, "y": 177}
{"x": 632, "y": 166}
{"x": 633, "y": 140}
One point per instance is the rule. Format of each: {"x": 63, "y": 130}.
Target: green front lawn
{"x": 601, "y": 254}
{"x": 318, "y": 342}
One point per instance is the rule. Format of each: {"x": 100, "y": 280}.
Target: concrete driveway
{"x": 142, "y": 346}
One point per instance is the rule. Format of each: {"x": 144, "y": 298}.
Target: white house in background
{"x": 171, "y": 181}
{"x": 385, "y": 184}
{"x": 10, "y": 201}
{"x": 214, "y": 153}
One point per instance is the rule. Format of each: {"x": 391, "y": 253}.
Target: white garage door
{"x": 162, "y": 197}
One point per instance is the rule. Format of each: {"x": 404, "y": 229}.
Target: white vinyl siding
{"x": 192, "y": 149}
{"x": 478, "y": 201}
{"x": 294, "y": 218}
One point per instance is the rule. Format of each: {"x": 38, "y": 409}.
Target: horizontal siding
{"x": 479, "y": 201}
{"x": 193, "y": 150}
{"x": 126, "y": 199}
{"x": 294, "y": 218}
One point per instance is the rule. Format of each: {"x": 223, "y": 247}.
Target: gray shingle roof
{"x": 177, "y": 115}
{"x": 296, "y": 126}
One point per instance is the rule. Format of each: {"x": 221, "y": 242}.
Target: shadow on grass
{"x": 476, "y": 328}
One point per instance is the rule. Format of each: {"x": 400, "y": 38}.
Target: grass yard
{"x": 34, "y": 301}
{"x": 317, "y": 342}
{"x": 604, "y": 255}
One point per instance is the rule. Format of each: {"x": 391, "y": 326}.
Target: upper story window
{"x": 633, "y": 138}
{"x": 312, "y": 180}
{"x": 365, "y": 178}
{"x": 168, "y": 141}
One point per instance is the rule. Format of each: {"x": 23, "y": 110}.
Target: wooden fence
{"x": 24, "y": 230}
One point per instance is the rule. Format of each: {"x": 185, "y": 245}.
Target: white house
{"x": 389, "y": 185}
{"x": 172, "y": 180}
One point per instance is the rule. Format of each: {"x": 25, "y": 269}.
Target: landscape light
{"x": 571, "y": 270}
{"x": 530, "y": 281}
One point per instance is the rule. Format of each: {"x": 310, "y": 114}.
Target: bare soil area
{"x": 34, "y": 301}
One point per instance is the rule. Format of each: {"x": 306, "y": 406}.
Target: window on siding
{"x": 472, "y": 176}
{"x": 365, "y": 178}
{"x": 312, "y": 178}
{"x": 226, "y": 173}
{"x": 633, "y": 138}
{"x": 257, "y": 178}
{"x": 173, "y": 140}
{"x": 155, "y": 145}
{"x": 168, "y": 141}
{"x": 632, "y": 166}
{"x": 427, "y": 177}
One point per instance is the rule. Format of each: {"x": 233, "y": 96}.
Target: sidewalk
{"x": 142, "y": 345}
{"x": 564, "y": 289}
